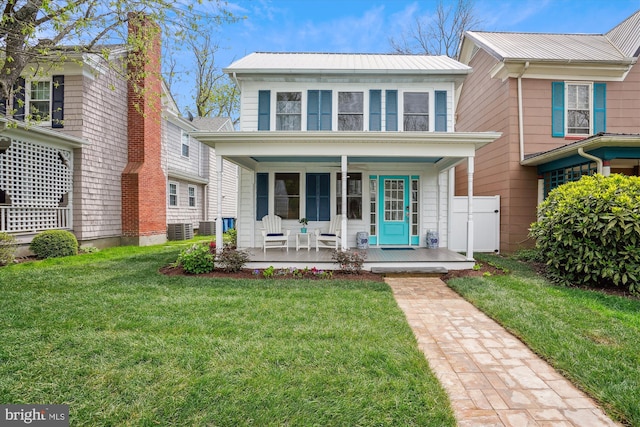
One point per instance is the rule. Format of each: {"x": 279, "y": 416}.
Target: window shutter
{"x": 441, "y": 110}
{"x": 313, "y": 110}
{"x": 557, "y": 109}
{"x": 19, "y": 99}
{"x": 57, "y": 104}
{"x": 375, "y": 110}
{"x": 262, "y": 195}
{"x": 317, "y": 197}
{"x": 391, "y": 106}
{"x": 599, "y": 107}
{"x": 325, "y": 110}
{"x": 264, "y": 104}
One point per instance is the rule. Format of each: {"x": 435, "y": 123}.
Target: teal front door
{"x": 394, "y": 210}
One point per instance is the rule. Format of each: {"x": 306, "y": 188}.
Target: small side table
{"x": 301, "y": 242}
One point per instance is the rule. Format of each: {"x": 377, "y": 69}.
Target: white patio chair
{"x": 272, "y": 233}
{"x": 330, "y": 238}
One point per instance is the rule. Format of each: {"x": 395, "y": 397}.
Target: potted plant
{"x": 304, "y": 223}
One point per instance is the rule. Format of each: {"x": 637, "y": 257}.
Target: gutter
{"x": 598, "y": 160}
{"x": 520, "y": 112}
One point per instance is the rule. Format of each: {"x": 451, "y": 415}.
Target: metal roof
{"x": 336, "y": 63}
{"x": 626, "y": 35}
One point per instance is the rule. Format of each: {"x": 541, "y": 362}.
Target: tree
{"x": 38, "y": 34}
{"x": 440, "y": 34}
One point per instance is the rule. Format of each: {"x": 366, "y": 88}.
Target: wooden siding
{"x": 183, "y": 213}
{"x": 623, "y": 104}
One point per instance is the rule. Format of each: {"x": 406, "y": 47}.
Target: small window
{"x": 289, "y": 111}
{"x": 173, "y": 194}
{"x": 354, "y": 195}
{"x": 416, "y": 111}
{"x": 350, "y": 111}
{"x": 186, "y": 140}
{"x": 287, "y": 195}
{"x": 40, "y": 101}
{"x": 579, "y": 109}
{"x": 192, "y": 196}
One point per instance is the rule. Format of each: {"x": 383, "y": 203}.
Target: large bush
{"x": 8, "y": 247}
{"x": 589, "y": 232}
{"x": 54, "y": 243}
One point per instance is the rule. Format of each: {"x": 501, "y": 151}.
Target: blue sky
{"x": 365, "y": 26}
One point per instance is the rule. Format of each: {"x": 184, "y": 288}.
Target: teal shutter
{"x": 391, "y": 106}
{"x": 264, "y": 105}
{"x": 325, "y": 110}
{"x": 599, "y": 107}
{"x": 262, "y": 195}
{"x": 57, "y": 104}
{"x": 441, "y": 110}
{"x": 557, "y": 109}
{"x": 375, "y": 110}
{"x": 19, "y": 99}
{"x": 317, "y": 197}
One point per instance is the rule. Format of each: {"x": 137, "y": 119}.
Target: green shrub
{"x": 196, "y": 259}
{"x": 232, "y": 260}
{"x": 54, "y": 244}
{"x": 230, "y": 237}
{"x": 8, "y": 247}
{"x": 349, "y": 261}
{"x": 588, "y": 232}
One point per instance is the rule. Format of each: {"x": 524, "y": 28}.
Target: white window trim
{"x": 184, "y": 134}
{"x": 566, "y": 108}
{"x": 27, "y": 101}
{"x": 195, "y": 197}
{"x": 177, "y": 194}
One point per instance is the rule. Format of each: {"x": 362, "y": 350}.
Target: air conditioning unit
{"x": 207, "y": 228}
{"x": 183, "y": 231}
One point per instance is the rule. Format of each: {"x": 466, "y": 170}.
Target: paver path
{"x": 491, "y": 377}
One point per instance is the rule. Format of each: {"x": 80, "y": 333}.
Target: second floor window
{"x": 578, "y": 109}
{"x": 350, "y": 111}
{"x": 289, "y": 111}
{"x": 40, "y": 101}
{"x": 416, "y": 111}
{"x": 185, "y": 144}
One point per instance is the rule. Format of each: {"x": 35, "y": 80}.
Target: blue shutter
{"x": 391, "y": 106}
{"x": 375, "y": 110}
{"x": 317, "y": 197}
{"x": 264, "y": 105}
{"x": 441, "y": 110}
{"x": 262, "y": 195}
{"x": 313, "y": 110}
{"x": 57, "y": 104}
{"x": 557, "y": 109}
{"x": 599, "y": 107}
{"x": 325, "y": 110}
{"x": 19, "y": 99}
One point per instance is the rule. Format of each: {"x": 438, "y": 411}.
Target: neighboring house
{"x": 566, "y": 105}
{"x": 371, "y": 137}
{"x": 99, "y": 158}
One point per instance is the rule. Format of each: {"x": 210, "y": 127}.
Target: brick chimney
{"x": 144, "y": 218}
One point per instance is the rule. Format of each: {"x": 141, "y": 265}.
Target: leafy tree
{"x": 440, "y": 34}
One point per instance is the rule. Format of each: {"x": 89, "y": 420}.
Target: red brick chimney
{"x": 144, "y": 218}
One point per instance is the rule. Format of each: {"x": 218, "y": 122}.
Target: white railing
{"x": 31, "y": 220}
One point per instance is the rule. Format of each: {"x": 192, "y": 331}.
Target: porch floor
{"x": 390, "y": 260}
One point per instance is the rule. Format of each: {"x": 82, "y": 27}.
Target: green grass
{"x": 122, "y": 344}
{"x": 591, "y": 337}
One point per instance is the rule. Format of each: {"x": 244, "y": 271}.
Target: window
{"x": 350, "y": 111}
{"x": 192, "y": 196}
{"x": 319, "y": 110}
{"x": 373, "y": 200}
{"x": 289, "y": 111}
{"x": 578, "y": 109}
{"x": 441, "y": 111}
{"x": 287, "y": 195}
{"x": 264, "y": 109}
{"x": 354, "y": 195}
{"x": 173, "y": 194}
{"x": 185, "y": 144}
{"x": 318, "y": 203}
{"x": 416, "y": 111}
{"x": 391, "y": 106}
{"x": 40, "y": 101}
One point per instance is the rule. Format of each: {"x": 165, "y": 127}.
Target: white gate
{"x": 486, "y": 224}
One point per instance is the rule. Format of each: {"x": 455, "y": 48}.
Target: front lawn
{"x": 122, "y": 344}
{"x": 589, "y": 336}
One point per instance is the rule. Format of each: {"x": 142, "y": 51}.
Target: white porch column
{"x": 344, "y": 234}
{"x": 540, "y": 189}
{"x": 606, "y": 167}
{"x": 470, "y": 170}
{"x": 219, "y": 227}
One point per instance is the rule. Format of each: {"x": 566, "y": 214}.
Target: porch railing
{"x": 33, "y": 219}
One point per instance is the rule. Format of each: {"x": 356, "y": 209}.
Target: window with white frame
{"x": 39, "y": 100}
{"x": 350, "y": 111}
{"x": 354, "y": 195}
{"x": 192, "y": 196}
{"x": 186, "y": 140}
{"x": 173, "y": 194}
{"x": 287, "y": 195}
{"x": 289, "y": 111}
{"x": 579, "y": 109}
{"x": 416, "y": 111}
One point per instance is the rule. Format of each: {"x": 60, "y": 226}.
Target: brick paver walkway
{"x": 491, "y": 377}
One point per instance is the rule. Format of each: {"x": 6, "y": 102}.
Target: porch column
{"x": 219, "y": 228}
{"x": 343, "y": 238}
{"x": 540, "y": 189}
{"x": 470, "y": 170}
{"x": 606, "y": 167}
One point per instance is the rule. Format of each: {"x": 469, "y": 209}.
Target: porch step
{"x": 409, "y": 270}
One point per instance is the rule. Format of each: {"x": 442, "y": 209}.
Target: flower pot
{"x": 303, "y": 229}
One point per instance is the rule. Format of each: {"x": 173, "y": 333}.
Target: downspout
{"x": 598, "y": 160}
{"x": 520, "y": 111}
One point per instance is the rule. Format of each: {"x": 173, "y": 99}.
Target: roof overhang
{"x": 565, "y": 70}
{"x": 32, "y": 132}
{"x": 249, "y": 149}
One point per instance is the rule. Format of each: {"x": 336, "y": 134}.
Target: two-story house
{"x": 81, "y": 150}
{"x": 566, "y": 105}
{"x": 369, "y": 137}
